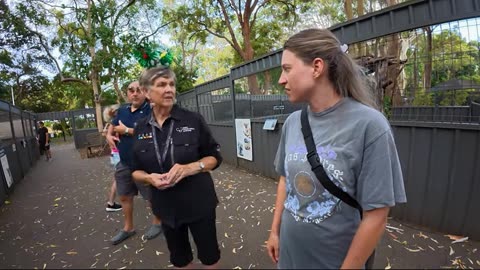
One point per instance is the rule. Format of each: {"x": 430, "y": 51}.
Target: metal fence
{"x": 439, "y": 164}
{"x": 438, "y": 144}
{"x": 18, "y": 146}
{"x": 442, "y": 176}
{"x": 444, "y": 114}
{"x": 82, "y": 122}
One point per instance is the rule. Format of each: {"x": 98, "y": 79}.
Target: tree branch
{"x": 78, "y": 19}
{"x": 53, "y": 6}
{"x": 235, "y": 8}
{"x": 120, "y": 13}
{"x": 240, "y": 8}
{"x": 234, "y": 41}
{"x": 247, "y": 12}
{"x": 67, "y": 80}
{"x": 252, "y": 24}
{"x": 160, "y": 27}
{"x": 47, "y": 50}
{"x": 194, "y": 54}
{"x": 222, "y": 37}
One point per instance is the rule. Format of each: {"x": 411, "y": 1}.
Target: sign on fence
{"x": 270, "y": 124}
{"x": 243, "y": 129}
{"x": 6, "y": 168}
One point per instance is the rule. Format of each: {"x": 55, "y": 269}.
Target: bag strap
{"x": 318, "y": 169}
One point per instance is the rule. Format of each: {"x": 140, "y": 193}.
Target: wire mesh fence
{"x": 435, "y": 66}
{"x": 426, "y": 74}
{"x": 15, "y": 124}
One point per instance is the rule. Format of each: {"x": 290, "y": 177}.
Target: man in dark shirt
{"x": 44, "y": 141}
{"x": 121, "y": 133}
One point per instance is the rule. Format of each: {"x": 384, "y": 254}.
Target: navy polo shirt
{"x": 129, "y": 119}
{"x": 193, "y": 197}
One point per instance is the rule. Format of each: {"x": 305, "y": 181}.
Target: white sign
{"x": 244, "y": 139}
{"x": 270, "y": 124}
{"x": 6, "y": 170}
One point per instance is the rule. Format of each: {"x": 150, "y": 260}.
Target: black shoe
{"x": 113, "y": 208}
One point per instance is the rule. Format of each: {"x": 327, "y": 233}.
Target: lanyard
{"x": 168, "y": 142}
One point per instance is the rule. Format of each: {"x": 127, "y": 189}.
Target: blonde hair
{"x": 346, "y": 75}
{"x": 110, "y": 112}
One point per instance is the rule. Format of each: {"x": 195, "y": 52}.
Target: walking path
{"x": 56, "y": 219}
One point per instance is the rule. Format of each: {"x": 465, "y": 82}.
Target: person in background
{"x": 108, "y": 114}
{"x": 43, "y": 138}
{"x": 174, "y": 152}
{"x": 120, "y": 133}
{"x": 311, "y": 228}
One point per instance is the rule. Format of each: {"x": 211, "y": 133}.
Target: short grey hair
{"x": 148, "y": 76}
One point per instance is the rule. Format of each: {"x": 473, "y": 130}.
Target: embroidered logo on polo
{"x": 145, "y": 136}
{"x": 184, "y": 129}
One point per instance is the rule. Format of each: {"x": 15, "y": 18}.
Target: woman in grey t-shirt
{"x": 312, "y": 228}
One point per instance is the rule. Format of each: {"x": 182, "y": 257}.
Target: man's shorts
{"x": 126, "y": 186}
{"x": 43, "y": 147}
{"x": 204, "y": 234}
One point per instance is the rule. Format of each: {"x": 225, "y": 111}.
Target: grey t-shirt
{"x": 358, "y": 153}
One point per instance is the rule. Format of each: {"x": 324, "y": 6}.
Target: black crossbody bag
{"x": 322, "y": 176}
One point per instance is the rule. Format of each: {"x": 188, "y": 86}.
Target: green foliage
{"x": 453, "y": 58}
{"x": 422, "y": 98}
{"x": 185, "y": 78}
{"x": 103, "y": 46}
{"x": 108, "y": 98}
{"x": 214, "y": 60}
{"x": 21, "y": 58}
{"x": 57, "y": 127}
{"x": 387, "y": 106}
{"x": 208, "y": 17}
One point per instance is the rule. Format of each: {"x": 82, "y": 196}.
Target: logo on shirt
{"x": 307, "y": 200}
{"x": 185, "y": 129}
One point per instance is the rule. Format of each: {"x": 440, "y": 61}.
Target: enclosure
{"x": 424, "y": 59}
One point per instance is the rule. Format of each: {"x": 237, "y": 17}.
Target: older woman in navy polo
{"x": 174, "y": 151}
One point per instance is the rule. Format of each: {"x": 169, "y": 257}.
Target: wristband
{"x": 126, "y": 131}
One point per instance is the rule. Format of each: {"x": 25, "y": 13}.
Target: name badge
{"x": 185, "y": 129}
{"x": 145, "y": 136}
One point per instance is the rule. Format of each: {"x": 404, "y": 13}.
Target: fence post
{"x": 196, "y": 99}
{"x": 234, "y": 114}
{"x": 11, "y": 122}
{"x": 16, "y": 153}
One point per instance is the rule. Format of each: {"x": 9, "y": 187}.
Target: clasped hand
{"x": 166, "y": 180}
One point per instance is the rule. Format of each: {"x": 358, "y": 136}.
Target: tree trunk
{"x": 361, "y": 51}
{"x": 394, "y": 70}
{"x": 428, "y": 64}
{"x": 348, "y": 9}
{"x": 415, "y": 77}
{"x": 120, "y": 95}
{"x": 96, "y": 96}
{"x": 94, "y": 72}
{"x": 268, "y": 82}
{"x": 249, "y": 55}
{"x": 360, "y": 8}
